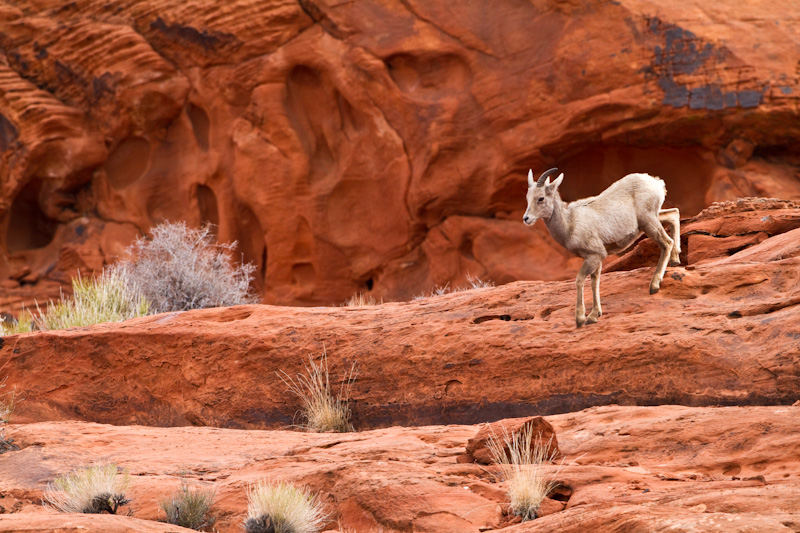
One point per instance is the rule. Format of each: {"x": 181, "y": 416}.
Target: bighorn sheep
{"x": 608, "y": 223}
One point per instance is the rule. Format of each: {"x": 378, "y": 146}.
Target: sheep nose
{"x": 526, "y": 219}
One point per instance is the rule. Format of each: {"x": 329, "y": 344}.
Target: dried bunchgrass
{"x": 94, "y": 489}
{"x": 104, "y": 298}
{"x": 521, "y": 458}
{"x": 8, "y": 401}
{"x": 473, "y": 282}
{"x": 189, "y": 507}
{"x": 181, "y": 268}
{"x": 13, "y": 326}
{"x": 278, "y": 507}
{"x": 321, "y": 410}
{"x": 361, "y": 300}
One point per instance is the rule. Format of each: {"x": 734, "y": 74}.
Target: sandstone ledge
{"x": 722, "y": 331}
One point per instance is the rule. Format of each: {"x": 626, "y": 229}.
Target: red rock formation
{"x": 720, "y": 331}
{"x": 666, "y": 468}
{"x": 511, "y": 430}
{"x": 373, "y": 145}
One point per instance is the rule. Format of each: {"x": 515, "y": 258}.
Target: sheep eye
{"x": 541, "y": 199}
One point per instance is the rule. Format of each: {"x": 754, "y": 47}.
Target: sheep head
{"x": 541, "y": 196}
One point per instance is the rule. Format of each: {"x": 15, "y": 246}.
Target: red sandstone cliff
{"x": 373, "y": 145}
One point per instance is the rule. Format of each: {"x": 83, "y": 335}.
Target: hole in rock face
{"x": 369, "y": 283}
{"x": 28, "y": 227}
{"x": 8, "y": 133}
{"x": 128, "y": 162}
{"x": 429, "y": 74}
{"x": 589, "y": 172}
{"x": 201, "y": 125}
{"x": 207, "y": 203}
{"x": 252, "y": 245}
{"x": 778, "y": 153}
{"x": 312, "y": 105}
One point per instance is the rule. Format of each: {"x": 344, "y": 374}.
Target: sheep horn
{"x": 540, "y": 181}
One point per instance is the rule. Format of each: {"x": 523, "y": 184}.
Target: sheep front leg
{"x": 590, "y": 265}
{"x": 672, "y": 217}
{"x": 596, "y": 311}
{"x": 654, "y": 230}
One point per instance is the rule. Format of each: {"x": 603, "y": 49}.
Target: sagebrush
{"x": 321, "y": 409}
{"x": 527, "y": 480}
{"x": 189, "y": 507}
{"x": 181, "y": 268}
{"x": 93, "y": 489}
{"x": 279, "y": 507}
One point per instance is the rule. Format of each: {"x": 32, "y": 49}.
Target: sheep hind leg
{"x": 596, "y": 311}
{"x": 654, "y": 230}
{"x": 590, "y": 265}
{"x": 672, "y": 217}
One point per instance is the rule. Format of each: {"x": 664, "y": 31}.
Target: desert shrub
{"x": 180, "y": 268}
{"x": 104, "y": 298}
{"x": 528, "y": 482}
{"x": 94, "y": 489}
{"x": 278, "y": 507}
{"x": 321, "y": 410}
{"x": 189, "y": 507}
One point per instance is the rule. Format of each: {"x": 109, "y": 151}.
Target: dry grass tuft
{"x": 473, "y": 282}
{"x": 322, "y": 410}
{"x": 189, "y": 507}
{"x": 12, "y": 326}
{"x": 182, "y": 268}
{"x": 94, "y": 489}
{"x": 105, "y": 298}
{"x": 8, "y": 402}
{"x": 361, "y": 300}
{"x": 528, "y": 482}
{"x": 278, "y": 507}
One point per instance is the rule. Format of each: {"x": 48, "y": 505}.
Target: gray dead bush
{"x": 181, "y": 268}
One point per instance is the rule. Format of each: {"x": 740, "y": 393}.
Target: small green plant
{"x": 105, "y": 298}
{"x": 278, "y": 507}
{"x": 94, "y": 489}
{"x": 189, "y": 507}
{"x": 322, "y": 411}
{"x": 528, "y": 483}
{"x": 181, "y": 268}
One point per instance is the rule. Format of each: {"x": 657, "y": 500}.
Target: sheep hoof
{"x": 591, "y": 319}
{"x": 674, "y": 262}
{"x": 654, "y": 289}
{"x": 580, "y": 321}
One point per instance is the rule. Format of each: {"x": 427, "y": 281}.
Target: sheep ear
{"x": 530, "y": 178}
{"x": 558, "y": 181}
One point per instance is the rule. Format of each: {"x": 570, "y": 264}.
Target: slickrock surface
{"x": 723, "y": 330}
{"x": 665, "y": 468}
{"x": 373, "y": 144}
